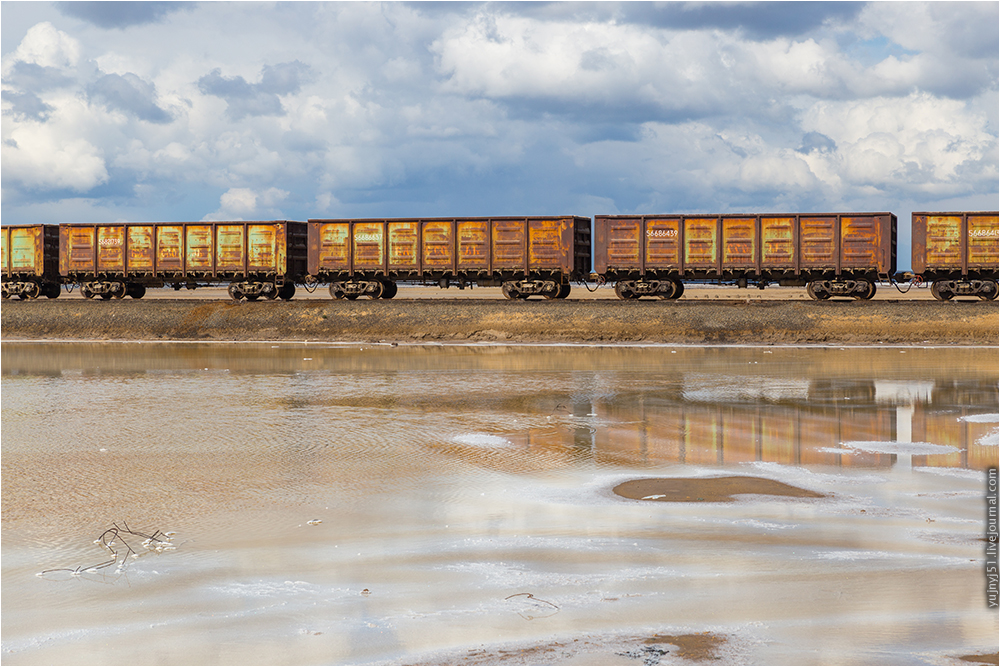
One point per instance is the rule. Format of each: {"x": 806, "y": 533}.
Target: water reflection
{"x": 449, "y": 479}
{"x": 564, "y": 405}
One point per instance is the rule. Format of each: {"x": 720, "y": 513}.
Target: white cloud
{"x": 45, "y": 46}
{"x": 413, "y": 109}
{"x": 245, "y": 203}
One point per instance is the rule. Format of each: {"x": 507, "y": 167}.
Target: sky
{"x": 170, "y": 111}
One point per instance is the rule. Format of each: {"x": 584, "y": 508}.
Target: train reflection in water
{"x": 836, "y": 423}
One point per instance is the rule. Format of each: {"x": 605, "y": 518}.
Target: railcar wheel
{"x": 678, "y": 289}
{"x": 939, "y": 292}
{"x": 670, "y": 291}
{"x": 136, "y": 290}
{"x": 389, "y": 289}
{"x": 623, "y": 292}
{"x": 53, "y": 290}
{"x": 564, "y": 291}
{"x": 235, "y": 293}
{"x": 287, "y": 291}
{"x": 817, "y": 292}
{"x": 272, "y": 295}
{"x": 379, "y": 289}
{"x": 336, "y": 291}
{"x": 992, "y": 294}
{"x": 553, "y": 293}
{"x": 31, "y": 293}
{"x": 86, "y": 292}
{"x": 870, "y": 292}
{"x": 509, "y": 291}
{"x": 118, "y": 290}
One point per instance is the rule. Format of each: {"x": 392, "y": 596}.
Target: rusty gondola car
{"x": 523, "y": 255}
{"x": 114, "y": 260}
{"x": 957, "y": 253}
{"x": 30, "y": 261}
{"x": 833, "y": 254}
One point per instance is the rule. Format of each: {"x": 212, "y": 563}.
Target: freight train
{"x": 831, "y": 255}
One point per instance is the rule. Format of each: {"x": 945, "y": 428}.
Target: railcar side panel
{"x": 778, "y": 242}
{"x": 268, "y": 252}
{"x": 230, "y": 248}
{"x": 26, "y": 247}
{"x": 404, "y": 246}
{"x": 984, "y": 234}
{"x": 739, "y": 243}
{"x": 140, "y": 254}
{"x": 438, "y": 245}
{"x": 111, "y": 250}
{"x": 509, "y": 244}
{"x": 368, "y": 246}
{"x": 473, "y": 245}
{"x": 198, "y": 250}
{"x": 619, "y": 244}
{"x": 818, "y": 238}
{"x": 663, "y": 247}
{"x": 546, "y": 243}
{"x": 701, "y": 243}
{"x": 77, "y": 250}
{"x": 170, "y": 250}
{"x": 329, "y": 247}
{"x": 859, "y": 242}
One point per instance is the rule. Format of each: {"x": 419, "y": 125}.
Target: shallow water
{"x": 357, "y": 504}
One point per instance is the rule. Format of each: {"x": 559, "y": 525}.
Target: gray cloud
{"x": 756, "y": 20}
{"x": 26, "y": 105}
{"x": 816, "y": 141}
{"x": 121, "y": 14}
{"x": 36, "y": 78}
{"x": 130, "y": 94}
{"x": 255, "y": 99}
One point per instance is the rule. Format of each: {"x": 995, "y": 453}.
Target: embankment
{"x": 457, "y": 320}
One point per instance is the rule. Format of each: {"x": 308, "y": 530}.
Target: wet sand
{"x": 698, "y": 648}
{"x": 707, "y": 489}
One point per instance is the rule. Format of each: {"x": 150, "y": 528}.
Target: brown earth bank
{"x": 697, "y": 648}
{"x": 707, "y": 489}
{"x": 456, "y": 320}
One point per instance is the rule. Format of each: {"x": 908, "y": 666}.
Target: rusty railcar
{"x": 30, "y": 261}
{"x": 957, "y": 253}
{"x": 523, "y": 255}
{"x": 114, "y": 260}
{"x": 831, "y": 254}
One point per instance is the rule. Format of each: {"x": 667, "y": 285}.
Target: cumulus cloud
{"x": 130, "y": 94}
{"x": 39, "y": 160}
{"x": 300, "y": 109}
{"x": 45, "y": 46}
{"x": 245, "y": 203}
{"x": 255, "y": 99}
